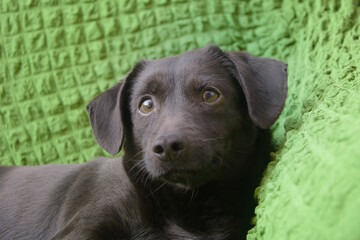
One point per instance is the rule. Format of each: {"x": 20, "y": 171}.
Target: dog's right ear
{"x": 106, "y": 110}
{"x": 105, "y": 118}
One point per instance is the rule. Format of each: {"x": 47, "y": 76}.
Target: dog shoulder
{"x": 25, "y": 199}
{"x": 100, "y": 200}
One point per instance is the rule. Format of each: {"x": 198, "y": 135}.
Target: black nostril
{"x": 169, "y": 146}
{"x": 178, "y": 146}
{"x": 158, "y": 149}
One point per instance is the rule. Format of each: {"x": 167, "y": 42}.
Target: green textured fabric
{"x": 56, "y": 55}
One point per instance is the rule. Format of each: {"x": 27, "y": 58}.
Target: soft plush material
{"x": 56, "y": 55}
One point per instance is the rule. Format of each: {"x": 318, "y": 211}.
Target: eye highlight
{"x": 210, "y": 96}
{"x": 146, "y": 106}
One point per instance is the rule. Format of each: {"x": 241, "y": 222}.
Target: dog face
{"x": 185, "y": 112}
{"x": 192, "y": 116}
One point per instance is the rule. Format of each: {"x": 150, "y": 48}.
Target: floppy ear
{"x": 106, "y": 112}
{"x": 264, "y": 82}
{"x": 105, "y": 119}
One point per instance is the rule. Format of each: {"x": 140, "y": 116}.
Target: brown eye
{"x": 210, "y": 96}
{"x": 146, "y": 106}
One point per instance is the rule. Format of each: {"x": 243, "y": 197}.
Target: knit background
{"x": 57, "y": 55}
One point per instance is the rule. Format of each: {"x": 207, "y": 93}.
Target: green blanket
{"x": 56, "y": 55}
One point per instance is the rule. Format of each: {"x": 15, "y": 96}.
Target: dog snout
{"x": 169, "y": 146}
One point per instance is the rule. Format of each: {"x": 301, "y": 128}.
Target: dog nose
{"x": 169, "y": 146}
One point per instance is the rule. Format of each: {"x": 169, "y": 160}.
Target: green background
{"x": 56, "y": 55}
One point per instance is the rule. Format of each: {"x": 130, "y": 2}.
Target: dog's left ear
{"x": 264, "y": 82}
{"x": 105, "y": 119}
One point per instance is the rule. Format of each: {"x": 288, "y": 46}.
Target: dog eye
{"x": 210, "y": 96}
{"x": 146, "y": 106}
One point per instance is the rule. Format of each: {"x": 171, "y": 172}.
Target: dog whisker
{"x": 142, "y": 170}
{"x": 162, "y": 185}
{"x": 194, "y": 193}
{"x": 142, "y": 167}
{"x": 223, "y": 162}
{"x": 211, "y": 139}
{"x": 145, "y": 176}
{"x": 148, "y": 177}
{"x": 136, "y": 165}
{"x": 137, "y": 154}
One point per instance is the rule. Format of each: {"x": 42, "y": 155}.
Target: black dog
{"x": 193, "y": 130}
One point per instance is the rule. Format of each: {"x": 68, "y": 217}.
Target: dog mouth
{"x": 190, "y": 177}
{"x": 184, "y": 177}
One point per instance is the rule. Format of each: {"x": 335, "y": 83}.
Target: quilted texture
{"x": 56, "y": 55}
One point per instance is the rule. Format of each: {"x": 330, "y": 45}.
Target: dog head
{"x": 191, "y": 116}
